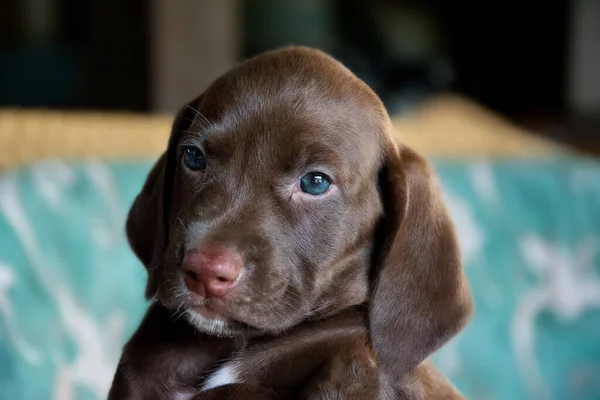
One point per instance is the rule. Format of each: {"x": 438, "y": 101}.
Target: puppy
{"x": 293, "y": 249}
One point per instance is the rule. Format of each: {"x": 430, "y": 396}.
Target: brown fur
{"x": 342, "y": 295}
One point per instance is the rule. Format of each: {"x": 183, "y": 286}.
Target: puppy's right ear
{"x": 146, "y": 226}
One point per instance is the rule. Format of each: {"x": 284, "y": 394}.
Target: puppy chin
{"x": 212, "y": 327}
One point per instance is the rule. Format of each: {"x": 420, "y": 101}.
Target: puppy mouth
{"x": 203, "y": 322}
{"x": 213, "y": 311}
{"x": 221, "y": 316}
{"x": 212, "y": 317}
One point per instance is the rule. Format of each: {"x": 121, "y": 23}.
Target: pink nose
{"x": 212, "y": 270}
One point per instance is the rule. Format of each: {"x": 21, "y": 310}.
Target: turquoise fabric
{"x": 71, "y": 291}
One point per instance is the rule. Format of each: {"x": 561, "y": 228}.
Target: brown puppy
{"x": 285, "y": 233}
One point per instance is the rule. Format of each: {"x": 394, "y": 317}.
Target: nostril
{"x": 211, "y": 271}
{"x": 191, "y": 275}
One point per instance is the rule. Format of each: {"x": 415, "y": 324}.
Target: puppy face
{"x": 275, "y": 165}
{"x": 283, "y": 197}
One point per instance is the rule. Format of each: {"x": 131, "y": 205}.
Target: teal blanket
{"x": 71, "y": 291}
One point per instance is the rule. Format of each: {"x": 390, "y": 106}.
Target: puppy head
{"x": 269, "y": 205}
{"x": 263, "y": 209}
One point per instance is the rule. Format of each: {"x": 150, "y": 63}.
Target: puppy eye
{"x": 315, "y": 183}
{"x": 193, "y": 158}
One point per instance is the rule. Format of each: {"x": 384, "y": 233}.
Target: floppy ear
{"x": 420, "y": 297}
{"x": 146, "y": 225}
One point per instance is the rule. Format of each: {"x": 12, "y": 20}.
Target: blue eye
{"x": 315, "y": 183}
{"x": 194, "y": 159}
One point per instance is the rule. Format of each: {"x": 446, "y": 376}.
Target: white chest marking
{"x": 183, "y": 396}
{"x": 223, "y": 376}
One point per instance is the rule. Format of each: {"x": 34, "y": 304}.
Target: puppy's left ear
{"x": 420, "y": 297}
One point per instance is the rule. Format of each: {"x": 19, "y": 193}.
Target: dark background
{"x": 515, "y": 57}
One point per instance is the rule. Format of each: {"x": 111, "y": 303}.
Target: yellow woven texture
{"x": 27, "y": 136}
{"x": 445, "y": 127}
{"x": 453, "y": 127}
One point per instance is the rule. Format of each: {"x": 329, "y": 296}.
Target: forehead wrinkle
{"x": 249, "y": 107}
{"x": 282, "y": 120}
{"x": 306, "y": 153}
{"x": 260, "y": 145}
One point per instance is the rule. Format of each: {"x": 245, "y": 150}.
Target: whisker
{"x": 278, "y": 314}
{"x": 194, "y": 122}
{"x": 190, "y": 132}
{"x": 180, "y": 311}
{"x": 199, "y": 114}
